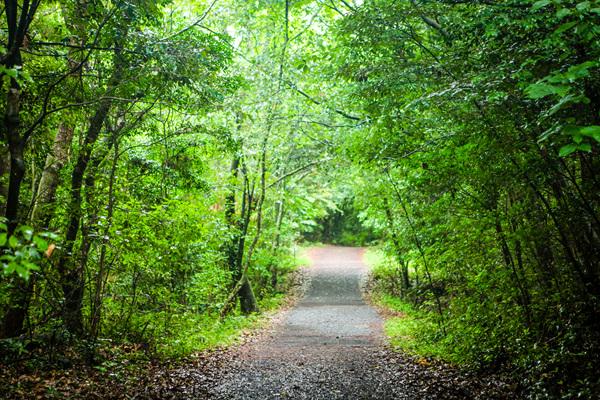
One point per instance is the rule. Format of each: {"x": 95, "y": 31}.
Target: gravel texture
{"x": 331, "y": 346}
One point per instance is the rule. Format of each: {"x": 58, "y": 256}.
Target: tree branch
{"x": 294, "y": 172}
{"x": 289, "y": 83}
{"x": 196, "y": 23}
{"x": 431, "y": 22}
{"x": 73, "y": 70}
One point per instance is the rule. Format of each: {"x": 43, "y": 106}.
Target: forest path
{"x": 320, "y": 348}
{"x": 331, "y": 346}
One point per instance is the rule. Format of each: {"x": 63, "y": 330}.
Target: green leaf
{"x": 573, "y": 147}
{"x": 22, "y": 271}
{"x": 40, "y": 243}
{"x": 568, "y": 149}
{"x": 49, "y": 235}
{"x": 13, "y": 242}
{"x": 592, "y": 131}
{"x": 566, "y": 100}
{"x": 585, "y": 147}
{"x": 565, "y": 27}
{"x": 11, "y": 267}
{"x": 549, "y": 132}
{"x": 584, "y": 5}
{"x": 27, "y": 232}
{"x": 563, "y": 12}
{"x": 542, "y": 89}
{"x": 571, "y": 129}
{"x": 540, "y": 4}
{"x": 32, "y": 252}
{"x": 31, "y": 266}
{"x": 2, "y": 239}
{"x": 13, "y": 73}
{"x": 580, "y": 71}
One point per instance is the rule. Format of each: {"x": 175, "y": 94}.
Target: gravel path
{"x": 331, "y": 346}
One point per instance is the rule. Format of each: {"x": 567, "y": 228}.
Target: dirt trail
{"x": 332, "y": 313}
{"x": 324, "y": 338}
{"x": 330, "y": 346}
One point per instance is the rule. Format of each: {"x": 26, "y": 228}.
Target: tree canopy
{"x": 160, "y": 161}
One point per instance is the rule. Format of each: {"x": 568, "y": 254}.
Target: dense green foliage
{"x": 159, "y": 160}
{"x": 482, "y": 160}
{"x": 148, "y": 185}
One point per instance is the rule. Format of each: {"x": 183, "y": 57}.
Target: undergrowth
{"x": 409, "y": 328}
{"x": 465, "y": 338}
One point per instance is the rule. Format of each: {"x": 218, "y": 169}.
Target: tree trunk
{"x": 12, "y": 324}
{"x": 277, "y": 243}
{"x": 247, "y": 299}
{"x": 4, "y": 172}
{"x": 419, "y": 246}
{"x": 248, "y": 304}
{"x": 40, "y": 218}
{"x": 17, "y": 163}
{"x": 14, "y": 317}
{"x": 102, "y": 274}
{"x": 401, "y": 261}
{"x": 72, "y": 277}
{"x": 230, "y": 217}
{"x": 17, "y": 27}
{"x": 525, "y": 297}
{"x": 242, "y": 287}
{"x": 244, "y": 292}
{"x": 46, "y": 194}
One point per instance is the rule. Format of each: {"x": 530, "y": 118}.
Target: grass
{"x": 375, "y": 258}
{"x": 301, "y": 252}
{"x": 412, "y": 330}
{"x": 190, "y": 332}
{"x": 408, "y": 328}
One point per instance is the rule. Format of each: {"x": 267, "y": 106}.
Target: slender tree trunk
{"x": 247, "y": 299}
{"x": 102, "y": 274}
{"x": 399, "y": 256}
{"x": 46, "y": 194}
{"x": 421, "y": 252}
{"x": 17, "y": 163}
{"x": 72, "y": 276}
{"x": 12, "y": 324}
{"x": 242, "y": 288}
{"x": 14, "y": 317}
{"x": 230, "y": 215}
{"x": 248, "y": 304}
{"x": 277, "y": 243}
{"x": 17, "y": 27}
{"x": 235, "y": 246}
{"x": 525, "y": 298}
